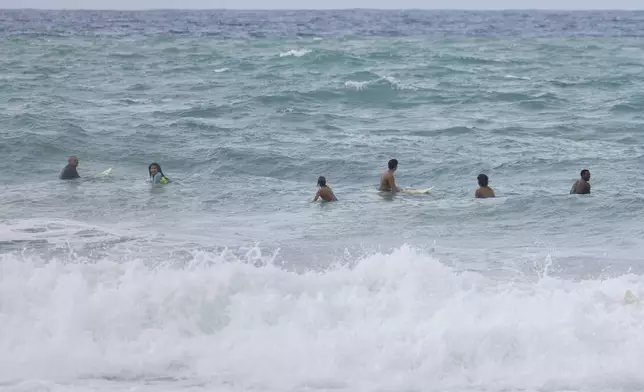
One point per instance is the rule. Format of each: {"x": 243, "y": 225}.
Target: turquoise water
{"x": 230, "y": 279}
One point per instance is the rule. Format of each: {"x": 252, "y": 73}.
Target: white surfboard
{"x": 631, "y": 299}
{"x": 104, "y": 173}
{"x": 416, "y": 191}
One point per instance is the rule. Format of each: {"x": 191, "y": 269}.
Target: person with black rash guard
{"x": 69, "y": 172}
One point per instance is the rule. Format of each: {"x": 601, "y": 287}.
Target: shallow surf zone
{"x": 389, "y": 322}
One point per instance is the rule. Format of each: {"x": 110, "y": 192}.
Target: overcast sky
{"x": 325, "y": 4}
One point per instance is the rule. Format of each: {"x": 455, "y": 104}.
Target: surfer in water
{"x": 387, "y": 179}
{"x": 325, "y": 193}
{"x": 69, "y": 172}
{"x": 156, "y": 175}
{"x": 581, "y": 186}
{"x": 483, "y": 191}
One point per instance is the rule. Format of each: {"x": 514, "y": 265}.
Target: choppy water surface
{"x": 229, "y": 279}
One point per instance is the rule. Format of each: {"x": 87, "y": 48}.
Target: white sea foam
{"x": 516, "y": 77}
{"x": 356, "y": 85}
{"x": 295, "y": 53}
{"x": 393, "y": 322}
{"x": 396, "y": 84}
{"x": 392, "y": 82}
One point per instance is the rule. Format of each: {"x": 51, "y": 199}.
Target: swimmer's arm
{"x": 392, "y": 185}
{"x": 477, "y": 194}
{"x": 573, "y": 190}
{"x": 317, "y": 196}
{"x": 157, "y": 178}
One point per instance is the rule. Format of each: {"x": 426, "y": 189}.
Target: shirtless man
{"x": 483, "y": 191}
{"x": 387, "y": 180}
{"x": 325, "y": 193}
{"x": 582, "y": 186}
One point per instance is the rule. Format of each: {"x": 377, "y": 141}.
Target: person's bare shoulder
{"x": 483, "y": 193}
{"x": 587, "y": 188}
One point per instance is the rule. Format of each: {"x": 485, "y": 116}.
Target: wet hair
{"x": 584, "y": 171}
{"x": 393, "y": 163}
{"x": 322, "y": 181}
{"x": 482, "y": 179}
{"x": 158, "y": 169}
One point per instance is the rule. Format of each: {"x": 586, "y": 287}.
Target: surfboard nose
{"x": 630, "y": 298}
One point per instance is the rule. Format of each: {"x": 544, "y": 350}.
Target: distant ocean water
{"x": 229, "y": 279}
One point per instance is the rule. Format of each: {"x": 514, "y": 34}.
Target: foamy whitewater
{"x": 228, "y": 279}
{"x": 401, "y": 321}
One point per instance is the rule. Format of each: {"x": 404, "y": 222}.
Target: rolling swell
{"x": 292, "y": 109}
{"x": 200, "y": 112}
{"x": 349, "y": 23}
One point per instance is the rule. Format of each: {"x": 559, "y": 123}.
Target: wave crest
{"x": 396, "y": 320}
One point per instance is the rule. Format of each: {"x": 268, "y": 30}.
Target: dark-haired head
{"x": 585, "y": 174}
{"x": 158, "y": 168}
{"x": 393, "y": 164}
{"x": 482, "y": 179}
{"x": 321, "y": 181}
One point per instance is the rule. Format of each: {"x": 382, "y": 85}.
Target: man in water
{"x": 483, "y": 191}
{"x": 582, "y": 186}
{"x": 325, "y": 193}
{"x": 69, "y": 172}
{"x": 387, "y": 180}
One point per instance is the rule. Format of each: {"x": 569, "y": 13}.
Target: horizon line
{"x": 331, "y": 9}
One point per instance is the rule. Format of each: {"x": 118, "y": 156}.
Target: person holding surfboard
{"x": 156, "y": 174}
{"x": 325, "y": 193}
{"x": 69, "y": 172}
{"x": 483, "y": 191}
{"x": 387, "y": 179}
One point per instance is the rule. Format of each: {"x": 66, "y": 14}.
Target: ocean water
{"x": 229, "y": 279}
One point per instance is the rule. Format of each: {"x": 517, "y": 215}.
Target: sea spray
{"x": 396, "y": 320}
